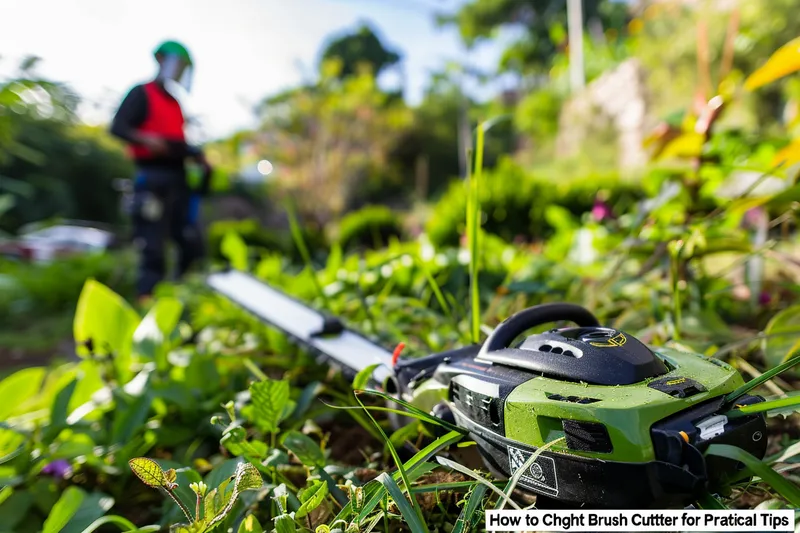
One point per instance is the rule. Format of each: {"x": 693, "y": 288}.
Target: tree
{"x": 362, "y": 47}
{"x": 50, "y": 164}
{"x": 330, "y": 143}
{"x": 543, "y": 24}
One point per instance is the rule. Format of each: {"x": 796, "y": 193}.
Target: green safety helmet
{"x": 175, "y": 63}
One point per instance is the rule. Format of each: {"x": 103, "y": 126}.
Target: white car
{"x": 57, "y": 241}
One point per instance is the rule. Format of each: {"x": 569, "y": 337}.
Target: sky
{"x": 244, "y": 50}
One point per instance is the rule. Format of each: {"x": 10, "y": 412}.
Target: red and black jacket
{"x": 149, "y": 108}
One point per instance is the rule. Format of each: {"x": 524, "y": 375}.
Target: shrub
{"x": 514, "y": 202}
{"x": 256, "y": 236}
{"x": 577, "y": 196}
{"x": 28, "y": 291}
{"x": 251, "y": 232}
{"x": 369, "y": 227}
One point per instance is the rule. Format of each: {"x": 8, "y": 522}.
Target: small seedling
{"x": 215, "y": 504}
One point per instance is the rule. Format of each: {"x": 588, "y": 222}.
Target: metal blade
{"x": 302, "y": 323}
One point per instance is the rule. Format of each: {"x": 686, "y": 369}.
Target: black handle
{"x": 510, "y": 328}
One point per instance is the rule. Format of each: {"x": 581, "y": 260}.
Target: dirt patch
{"x": 350, "y": 445}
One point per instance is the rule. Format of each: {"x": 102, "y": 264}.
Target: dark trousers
{"x": 162, "y": 213}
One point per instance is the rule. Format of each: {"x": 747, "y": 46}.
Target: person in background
{"x": 163, "y": 208}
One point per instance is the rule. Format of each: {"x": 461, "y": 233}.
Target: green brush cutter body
{"x": 631, "y": 422}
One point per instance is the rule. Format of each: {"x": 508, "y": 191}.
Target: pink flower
{"x": 755, "y": 217}
{"x": 601, "y": 210}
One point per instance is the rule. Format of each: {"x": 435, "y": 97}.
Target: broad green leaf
{"x": 363, "y": 377}
{"x": 105, "y": 321}
{"x": 247, "y": 477}
{"x": 150, "y": 339}
{"x": 270, "y": 399}
{"x": 410, "y": 516}
{"x": 74, "y": 445}
{"x": 467, "y": 519}
{"x": 234, "y": 249}
{"x": 250, "y": 525}
{"x": 58, "y": 416}
{"x": 311, "y": 498}
{"x": 281, "y": 497}
{"x": 148, "y": 471}
{"x": 407, "y": 433}
{"x": 129, "y": 416}
{"x": 18, "y": 388}
{"x": 304, "y": 447}
{"x": 210, "y": 504}
{"x": 284, "y": 523}
{"x": 64, "y": 509}
{"x": 93, "y": 506}
{"x": 15, "y": 509}
{"x": 783, "y": 62}
{"x": 310, "y": 392}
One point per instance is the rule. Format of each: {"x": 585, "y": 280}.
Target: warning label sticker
{"x": 541, "y": 475}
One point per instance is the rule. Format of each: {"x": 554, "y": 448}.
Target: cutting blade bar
{"x": 302, "y": 323}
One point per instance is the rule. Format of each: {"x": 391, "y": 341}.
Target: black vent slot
{"x": 548, "y": 348}
{"x": 482, "y": 409}
{"x": 571, "y": 399}
{"x": 587, "y": 436}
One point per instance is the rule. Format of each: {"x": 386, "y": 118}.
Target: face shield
{"x": 176, "y": 69}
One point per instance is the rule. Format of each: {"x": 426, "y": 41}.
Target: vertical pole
{"x": 575, "y": 26}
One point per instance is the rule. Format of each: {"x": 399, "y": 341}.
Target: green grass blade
{"x": 414, "y": 519}
{"x": 297, "y": 236}
{"x": 373, "y": 497}
{"x": 437, "y": 290}
{"x": 473, "y": 234}
{"x": 413, "y": 412}
{"x": 400, "y": 468}
{"x": 466, "y": 520}
{"x": 783, "y": 405}
{"x": 428, "y": 451}
{"x": 785, "y": 455}
{"x": 763, "y": 378}
{"x": 453, "y": 486}
{"x": 474, "y": 475}
{"x": 789, "y": 491}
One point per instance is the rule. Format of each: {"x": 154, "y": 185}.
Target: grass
{"x": 234, "y": 392}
